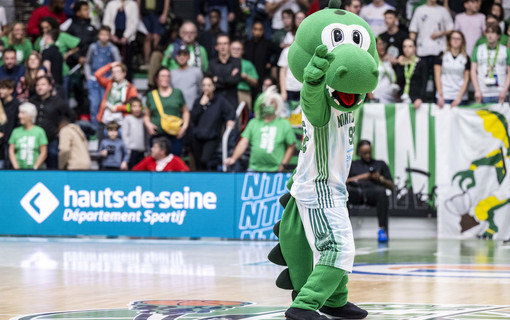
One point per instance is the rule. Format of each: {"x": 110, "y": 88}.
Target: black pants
{"x": 204, "y": 153}
{"x": 135, "y": 157}
{"x": 371, "y": 196}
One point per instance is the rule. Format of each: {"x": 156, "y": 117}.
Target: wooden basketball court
{"x": 58, "y": 278}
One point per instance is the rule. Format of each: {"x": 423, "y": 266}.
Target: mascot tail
{"x": 292, "y": 250}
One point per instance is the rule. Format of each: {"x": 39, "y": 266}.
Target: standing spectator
{"x": 278, "y": 36}
{"x": 385, "y": 90}
{"x": 471, "y": 23}
{"x": 154, "y": 16}
{"x": 73, "y": 152}
{"x": 133, "y": 133}
{"x": 28, "y": 143}
{"x": 393, "y": 36}
{"x": 225, "y": 7}
{"x": 161, "y": 158}
{"x": 54, "y": 10}
{"x": 226, "y": 71}
{"x": 118, "y": 91}
{"x": 33, "y": 69}
{"x": 50, "y": 109}
{"x": 367, "y": 183}
{"x": 3, "y": 20}
{"x": 496, "y": 10}
{"x": 373, "y": 14}
{"x": 429, "y": 27}
{"x": 490, "y": 68}
{"x": 114, "y": 155}
{"x": 290, "y": 87}
{"x": 255, "y": 10}
{"x": 11, "y": 70}
{"x": 100, "y": 53}
{"x": 172, "y": 103}
{"x": 82, "y": 28}
{"x": 11, "y": 110}
{"x": 185, "y": 78}
{"x": 3, "y": 140}
{"x": 490, "y": 19}
{"x": 412, "y": 75}
{"x": 198, "y": 54}
{"x": 452, "y": 71}
{"x": 249, "y": 76}
{"x": 275, "y": 8}
{"x": 207, "y": 38}
{"x": 259, "y": 50}
{"x": 16, "y": 39}
{"x": 271, "y": 138}
{"x": 53, "y": 60}
{"x": 122, "y": 17}
{"x": 209, "y": 113}
{"x": 353, "y": 6}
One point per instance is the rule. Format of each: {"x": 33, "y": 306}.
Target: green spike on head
{"x": 334, "y": 4}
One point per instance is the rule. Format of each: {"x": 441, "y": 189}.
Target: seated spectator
{"x": 16, "y": 39}
{"x": 118, "y": 91}
{"x": 259, "y": 50}
{"x": 387, "y": 88}
{"x": 28, "y": 143}
{"x": 373, "y": 14}
{"x": 412, "y": 75}
{"x": 161, "y": 158}
{"x": 207, "y": 38}
{"x": 226, "y": 71}
{"x": 186, "y": 78}
{"x": 53, "y": 61}
{"x": 33, "y": 70}
{"x": 133, "y": 132}
{"x": 11, "y": 111}
{"x": 113, "y": 152}
{"x": 209, "y": 113}
{"x": 55, "y": 10}
{"x": 11, "y": 70}
{"x": 451, "y": 72}
{"x": 73, "y": 151}
{"x": 367, "y": 183}
{"x": 249, "y": 76}
{"x": 50, "y": 109}
{"x": 471, "y": 23}
{"x": 271, "y": 138}
{"x": 393, "y": 36}
{"x": 122, "y": 16}
{"x": 100, "y": 54}
{"x": 490, "y": 68}
{"x": 172, "y": 104}
{"x": 154, "y": 16}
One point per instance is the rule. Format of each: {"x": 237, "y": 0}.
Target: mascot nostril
{"x": 335, "y": 58}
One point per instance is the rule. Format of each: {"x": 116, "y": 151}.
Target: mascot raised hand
{"x": 334, "y": 56}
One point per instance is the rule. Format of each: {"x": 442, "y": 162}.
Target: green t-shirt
{"x": 248, "y": 68}
{"x": 23, "y": 50}
{"x": 26, "y": 144}
{"x": 483, "y": 39}
{"x": 171, "y": 64}
{"x": 172, "y": 105}
{"x": 268, "y": 143}
{"x": 65, "y": 42}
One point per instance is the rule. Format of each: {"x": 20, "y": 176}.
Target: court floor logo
{"x": 39, "y": 202}
{"x": 236, "y": 310}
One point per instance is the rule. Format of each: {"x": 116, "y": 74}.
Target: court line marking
{"x": 446, "y": 314}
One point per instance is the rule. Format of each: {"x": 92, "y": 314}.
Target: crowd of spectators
{"x": 66, "y": 77}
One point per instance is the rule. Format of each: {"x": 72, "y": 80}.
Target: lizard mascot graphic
{"x": 334, "y": 56}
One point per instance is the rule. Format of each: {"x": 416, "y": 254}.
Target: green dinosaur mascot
{"x": 334, "y": 56}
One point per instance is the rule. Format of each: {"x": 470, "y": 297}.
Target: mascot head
{"x": 354, "y": 71}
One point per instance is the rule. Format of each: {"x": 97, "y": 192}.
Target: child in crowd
{"x": 113, "y": 151}
{"x": 99, "y": 54}
{"x": 133, "y": 132}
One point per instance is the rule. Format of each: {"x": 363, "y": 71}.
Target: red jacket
{"x": 149, "y": 164}
{"x": 107, "y": 83}
{"x": 37, "y": 15}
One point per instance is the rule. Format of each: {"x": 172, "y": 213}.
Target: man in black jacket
{"x": 50, "y": 109}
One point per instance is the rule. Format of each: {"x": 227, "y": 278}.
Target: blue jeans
{"x": 462, "y": 103}
{"x": 490, "y": 100}
{"x": 224, "y": 18}
{"x": 96, "y": 93}
{"x": 52, "y": 159}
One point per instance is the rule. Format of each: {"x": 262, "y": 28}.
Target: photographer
{"x": 367, "y": 183}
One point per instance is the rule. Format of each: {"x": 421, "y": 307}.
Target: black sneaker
{"x": 349, "y": 311}
{"x": 302, "y": 314}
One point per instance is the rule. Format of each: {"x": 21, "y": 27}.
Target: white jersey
{"x": 324, "y": 162}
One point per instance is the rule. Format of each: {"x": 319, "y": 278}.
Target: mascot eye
{"x": 357, "y": 37}
{"x": 338, "y": 36}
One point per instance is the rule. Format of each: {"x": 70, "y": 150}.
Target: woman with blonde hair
{"x": 451, "y": 72}
{"x": 17, "y": 40}
{"x": 33, "y": 69}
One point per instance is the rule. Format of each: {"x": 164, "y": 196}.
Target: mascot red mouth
{"x": 346, "y": 100}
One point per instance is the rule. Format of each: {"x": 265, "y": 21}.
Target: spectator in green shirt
{"x": 249, "y": 76}
{"x": 28, "y": 143}
{"x": 271, "y": 138}
{"x": 16, "y": 39}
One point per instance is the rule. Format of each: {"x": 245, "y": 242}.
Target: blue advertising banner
{"x": 140, "y": 204}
